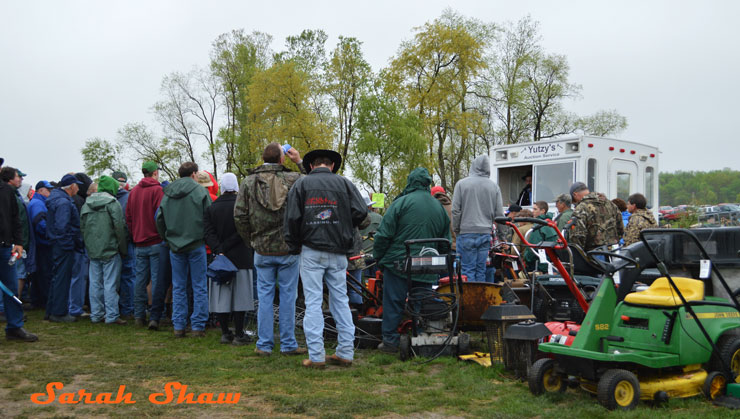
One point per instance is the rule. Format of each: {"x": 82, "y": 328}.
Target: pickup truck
{"x": 717, "y": 213}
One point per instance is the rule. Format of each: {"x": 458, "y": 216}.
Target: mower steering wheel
{"x": 606, "y": 266}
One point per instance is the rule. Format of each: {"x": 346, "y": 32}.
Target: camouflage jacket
{"x": 260, "y": 208}
{"x": 639, "y": 220}
{"x": 596, "y": 221}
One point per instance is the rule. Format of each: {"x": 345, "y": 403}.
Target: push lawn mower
{"x": 569, "y": 307}
{"x": 432, "y": 330}
{"x": 671, "y": 340}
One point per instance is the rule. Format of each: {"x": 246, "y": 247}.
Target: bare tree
{"x": 202, "y": 91}
{"x": 173, "y": 114}
{"x": 190, "y": 110}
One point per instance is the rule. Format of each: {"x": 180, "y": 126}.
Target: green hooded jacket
{"x": 415, "y": 214}
{"x": 103, "y": 227}
{"x": 180, "y": 215}
{"x": 538, "y": 234}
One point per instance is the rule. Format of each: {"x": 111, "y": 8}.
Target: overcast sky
{"x": 73, "y": 70}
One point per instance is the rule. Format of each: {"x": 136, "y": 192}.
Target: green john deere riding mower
{"x": 669, "y": 340}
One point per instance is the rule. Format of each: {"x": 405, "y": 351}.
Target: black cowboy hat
{"x": 313, "y": 154}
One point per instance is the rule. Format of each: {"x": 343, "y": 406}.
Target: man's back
{"x": 180, "y": 220}
{"x": 260, "y": 208}
{"x": 62, "y": 219}
{"x": 141, "y": 207}
{"x": 416, "y": 214}
{"x": 597, "y": 222}
{"x": 640, "y": 220}
{"x": 476, "y": 200}
{"x": 323, "y": 209}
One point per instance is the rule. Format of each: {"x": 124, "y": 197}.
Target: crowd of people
{"x": 126, "y": 249}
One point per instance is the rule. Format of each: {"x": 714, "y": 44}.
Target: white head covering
{"x": 23, "y": 190}
{"x": 229, "y": 183}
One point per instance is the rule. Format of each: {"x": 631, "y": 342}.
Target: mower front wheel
{"x": 543, "y": 378}
{"x": 714, "y": 385}
{"x": 618, "y": 389}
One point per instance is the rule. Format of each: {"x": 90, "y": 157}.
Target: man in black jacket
{"x": 321, "y": 213}
{"x": 10, "y": 239}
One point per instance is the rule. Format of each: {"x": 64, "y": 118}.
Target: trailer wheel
{"x": 618, "y": 389}
{"x": 714, "y": 385}
{"x": 405, "y": 347}
{"x": 729, "y": 351}
{"x": 543, "y": 378}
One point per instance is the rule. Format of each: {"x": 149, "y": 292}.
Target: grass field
{"x": 99, "y": 358}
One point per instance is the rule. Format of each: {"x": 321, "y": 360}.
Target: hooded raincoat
{"x": 103, "y": 228}
{"x": 181, "y": 213}
{"x": 415, "y": 214}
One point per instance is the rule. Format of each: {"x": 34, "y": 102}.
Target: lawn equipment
{"x": 369, "y": 321}
{"x": 566, "y": 307}
{"x": 670, "y": 340}
{"x": 433, "y": 328}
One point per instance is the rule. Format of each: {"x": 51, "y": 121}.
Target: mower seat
{"x": 662, "y": 294}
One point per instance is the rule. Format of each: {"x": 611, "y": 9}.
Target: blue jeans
{"x": 58, "y": 301}
{"x": 163, "y": 283}
{"x": 193, "y": 263}
{"x": 395, "y": 289}
{"x": 354, "y": 297}
{"x": 283, "y": 272}
{"x": 473, "y": 249}
{"x": 318, "y": 267}
{"x": 126, "y": 285}
{"x": 41, "y": 279}
{"x": 78, "y": 283}
{"x": 147, "y": 267}
{"x": 104, "y": 277}
{"x": 13, "y": 310}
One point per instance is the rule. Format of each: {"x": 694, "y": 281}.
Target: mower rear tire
{"x": 543, "y": 378}
{"x": 404, "y": 345}
{"x": 463, "y": 344}
{"x": 618, "y": 389}
{"x": 539, "y": 309}
{"x": 729, "y": 352}
{"x": 715, "y": 385}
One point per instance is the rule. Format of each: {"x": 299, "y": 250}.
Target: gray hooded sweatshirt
{"x": 476, "y": 200}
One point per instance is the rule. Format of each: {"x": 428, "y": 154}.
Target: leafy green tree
{"x": 280, "y": 110}
{"x": 548, "y": 85}
{"x": 699, "y": 188}
{"x": 141, "y": 144}
{"x": 603, "y": 123}
{"x": 101, "y": 157}
{"x": 235, "y": 58}
{"x": 348, "y": 76}
{"x": 518, "y": 44}
{"x": 308, "y": 52}
{"x": 435, "y": 74}
{"x": 389, "y": 145}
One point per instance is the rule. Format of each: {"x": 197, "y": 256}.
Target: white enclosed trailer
{"x": 616, "y": 168}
